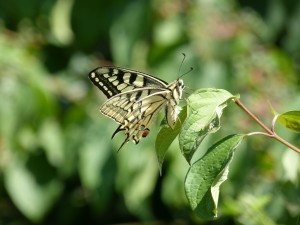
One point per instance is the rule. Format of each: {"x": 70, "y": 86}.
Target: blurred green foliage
{"x": 58, "y": 164}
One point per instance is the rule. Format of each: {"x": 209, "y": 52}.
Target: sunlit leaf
{"x": 61, "y": 21}
{"x": 51, "y": 138}
{"x": 205, "y": 110}
{"x": 291, "y": 173}
{"x": 32, "y": 186}
{"x": 137, "y": 176}
{"x": 97, "y": 167}
{"x": 290, "y": 120}
{"x": 166, "y": 136}
{"x": 207, "y": 174}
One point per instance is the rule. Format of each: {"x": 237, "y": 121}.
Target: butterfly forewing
{"x": 135, "y": 98}
{"x": 115, "y": 80}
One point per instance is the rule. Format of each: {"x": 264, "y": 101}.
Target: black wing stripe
{"x": 132, "y": 78}
{"x": 103, "y": 84}
{"x": 119, "y": 75}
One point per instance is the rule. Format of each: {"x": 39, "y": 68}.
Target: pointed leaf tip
{"x": 205, "y": 176}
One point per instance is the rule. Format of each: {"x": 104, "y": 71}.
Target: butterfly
{"x": 135, "y": 98}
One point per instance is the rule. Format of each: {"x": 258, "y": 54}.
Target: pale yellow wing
{"x": 135, "y": 98}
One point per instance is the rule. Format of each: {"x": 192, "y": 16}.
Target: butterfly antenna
{"x": 183, "y": 58}
{"x": 190, "y": 70}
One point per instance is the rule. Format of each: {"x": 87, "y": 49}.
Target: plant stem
{"x": 271, "y": 132}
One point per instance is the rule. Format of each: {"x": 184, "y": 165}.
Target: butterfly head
{"x": 180, "y": 84}
{"x": 179, "y": 87}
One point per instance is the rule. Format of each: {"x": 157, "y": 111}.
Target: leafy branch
{"x": 200, "y": 118}
{"x": 270, "y": 131}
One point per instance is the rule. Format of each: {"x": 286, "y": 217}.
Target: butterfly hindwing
{"x": 138, "y": 119}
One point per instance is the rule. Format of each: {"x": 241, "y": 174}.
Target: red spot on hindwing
{"x": 145, "y": 132}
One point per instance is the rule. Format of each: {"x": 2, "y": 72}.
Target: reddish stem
{"x": 270, "y": 132}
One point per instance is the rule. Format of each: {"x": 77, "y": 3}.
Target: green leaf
{"x": 166, "y": 136}
{"x": 207, "y": 174}
{"x": 205, "y": 110}
{"x": 290, "y": 173}
{"x": 290, "y": 120}
{"x": 97, "y": 169}
{"x": 32, "y": 185}
{"x": 51, "y": 139}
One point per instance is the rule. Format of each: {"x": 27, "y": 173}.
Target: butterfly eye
{"x": 180, "y": 83}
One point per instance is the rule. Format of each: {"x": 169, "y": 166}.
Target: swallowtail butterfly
{"x": 135, "y": 98}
